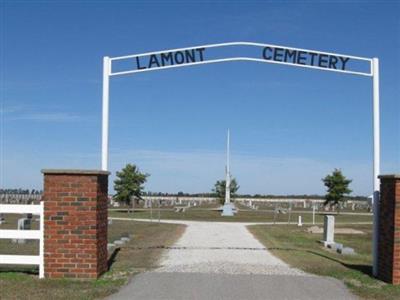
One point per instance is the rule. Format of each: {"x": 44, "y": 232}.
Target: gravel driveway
{"x": 215, "y": 260}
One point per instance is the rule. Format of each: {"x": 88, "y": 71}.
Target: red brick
{"x": 75, "y": 224}
{"x": 389, "y": 231}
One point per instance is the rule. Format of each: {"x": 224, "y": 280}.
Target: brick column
{"x": 75, "y": 223}
{"x": 389, "y": 229}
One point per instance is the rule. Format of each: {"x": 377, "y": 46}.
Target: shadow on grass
{"x": 18, "y": 269}
{"x": 112, "y": 258}
{"x": 365, "y": 269}
{"x": 35, "y": 271}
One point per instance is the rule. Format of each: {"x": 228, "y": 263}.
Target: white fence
{"x": 24, "y": 234}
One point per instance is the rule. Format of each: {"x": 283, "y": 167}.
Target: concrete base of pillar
{"x": 228, "y": 210}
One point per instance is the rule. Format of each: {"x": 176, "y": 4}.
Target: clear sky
{"x": 289, "y": 126}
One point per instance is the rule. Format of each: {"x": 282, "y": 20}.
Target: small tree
{"x": 337, "y": 187}
{"x": 219, "y": 189}
{"x": 129, "y": 184}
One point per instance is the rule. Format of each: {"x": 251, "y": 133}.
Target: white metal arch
{"x": 373, "y": 72}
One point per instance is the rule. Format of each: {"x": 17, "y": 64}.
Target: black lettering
{"x": 344, "y": 61}
{"x": 138, "y": 64}
{"x": 190, "y": 54}
{"x": 323, "y": 60}
{"x": 201, "y": 50}
{"x": 278, "y": 55}
{"x": 179, "y": 57}
{"x": 301, "y": 58}
{"x": 290, "y": 54}
{"x": 153, "y": 61}
{"x": 332, "y": 62}
{"x": 265, "y": 53}
{"x": 167, "y": 57}
{"x": 313, "y": 55}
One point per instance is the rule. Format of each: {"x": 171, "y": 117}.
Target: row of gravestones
{"x": 115, "y": 244}
{"x": 162, "y": 203}
{"x": 20, "y": 198}
{"x": 22, "y": 224}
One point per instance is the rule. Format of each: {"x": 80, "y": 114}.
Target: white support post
{"x": 104, "y": 140}
{"x": 41, "y": 241}
{"x": 228, "y": 172}
{"x": 376, "y": 166}
{"x": 313, "y": 213}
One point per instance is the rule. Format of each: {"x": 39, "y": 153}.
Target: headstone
{"x": 23, "y": 224}
{"x": 299, "y": 223}
{"x": 346, "y": 251}
{"x": 110, "y": 221}
{"x": 329, "y": 230}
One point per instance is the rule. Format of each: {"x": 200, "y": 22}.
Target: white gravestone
{"x": 329, "y": 230}
{"x": 23, "y": 224}
{"x": 299, "y": 223}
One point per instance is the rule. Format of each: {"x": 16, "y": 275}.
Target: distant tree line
{"x": 256, "y": 196}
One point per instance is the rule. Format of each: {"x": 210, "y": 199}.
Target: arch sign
{"x": 256, "y": 52}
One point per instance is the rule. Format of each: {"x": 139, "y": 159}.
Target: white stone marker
{"x": 23, "y": 224}
{"x": 299, "y": 223}
{"x": 329, "y": 230}
{"x": 229, "y": 208}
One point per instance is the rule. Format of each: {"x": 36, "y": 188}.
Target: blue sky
{"x": 289, "y": 126}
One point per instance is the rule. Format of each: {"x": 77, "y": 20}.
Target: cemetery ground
{"x": 302, "y": 250}
{"x": 244, "y": 215}
{"x": 141, "y": 253}
{"x": 292, "y": 244}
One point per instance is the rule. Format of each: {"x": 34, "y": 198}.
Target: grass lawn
{"x": 140, "y": 254}
{"x": 199, "y": 214}
{"x": 302, "y": 250}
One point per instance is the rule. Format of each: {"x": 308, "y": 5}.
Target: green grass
{"x": 302, "y": 250}
{"x": 198, "y": 214}
{"x": 140, "y": 254}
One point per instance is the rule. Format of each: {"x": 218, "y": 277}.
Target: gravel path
{"x": 218, "y": 261}
{"x": 227, "y": 248}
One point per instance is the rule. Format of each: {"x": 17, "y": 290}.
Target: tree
{"x": 129, "y": 184}
{"x": 337, "y": 187}
{"x": 219, "y": 189}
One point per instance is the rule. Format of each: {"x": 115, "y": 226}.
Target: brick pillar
{"x": 389, "y": 229}
{"x": 75, "y": 223}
